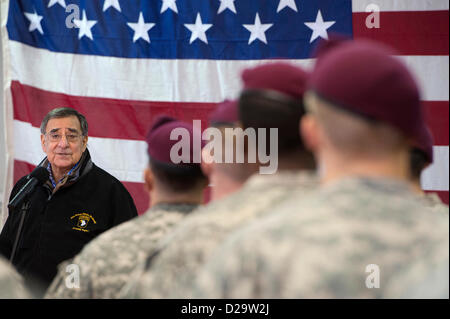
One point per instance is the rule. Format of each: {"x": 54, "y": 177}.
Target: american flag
{"x": 122, "y": 62}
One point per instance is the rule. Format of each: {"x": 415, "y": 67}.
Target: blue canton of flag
{"x": 183, "y": 29}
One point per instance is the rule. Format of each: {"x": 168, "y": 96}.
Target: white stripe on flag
{"x": 129, "y": 79}
{"x": 432, "y": 74}
{"x": 154, "y": 80}
{"x": 401, "y": 5}
{"x": 436, "y": 177}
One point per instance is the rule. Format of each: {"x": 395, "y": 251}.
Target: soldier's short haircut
{"x": 235, "y": 170}
{"x": 271, "y": 109}
{"x": 352, "y": 132}
{"x": 417, "y": 162}
{"x": 63, "y": 112}
{"x": 178, "y": 178}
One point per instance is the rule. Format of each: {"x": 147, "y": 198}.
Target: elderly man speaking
{"x": 77, "y": 202}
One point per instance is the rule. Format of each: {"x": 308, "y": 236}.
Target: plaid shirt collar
{"x": 52, "y": 179}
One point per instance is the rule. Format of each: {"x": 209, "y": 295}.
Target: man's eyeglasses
{"x": 56, "y": 137}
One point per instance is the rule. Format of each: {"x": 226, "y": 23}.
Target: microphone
{"x": 37, "y": 177}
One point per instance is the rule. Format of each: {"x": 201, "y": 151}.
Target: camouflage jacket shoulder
{"x": 107, "y": 261}
{"x": 182, "y": 252}
{"x": 433, "y": 201}
{"x": 12, "y": 286}
{"x": 329, "y": 245}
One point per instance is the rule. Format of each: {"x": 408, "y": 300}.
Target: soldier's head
{"x": 225, "y": 176}
{"x": 272, "y": 97}
{"x": 364, "y": 110}
{"x": 173, "y": 174}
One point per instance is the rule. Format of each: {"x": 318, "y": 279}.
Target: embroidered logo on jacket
{"x": 83, "y": 220}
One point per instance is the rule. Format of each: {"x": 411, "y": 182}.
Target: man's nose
{"x": 63, "y": 141}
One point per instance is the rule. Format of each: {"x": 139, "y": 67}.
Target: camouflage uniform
{"x": 172, "y": 270}
{"x": 433, "y": 201}
{"x": 329, "y": 245}
{"x": 105, "y": 264}
{"x": 11, "y": 284}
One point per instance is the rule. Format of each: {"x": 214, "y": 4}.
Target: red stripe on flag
{"x": 118, "y": 118}
{"x": 437, "y": 118}
{"x": 139, "y": 194}
{"x": 410, "y": 32}
{"x": 108, "y": 118}
{"x": 21, "y": 169}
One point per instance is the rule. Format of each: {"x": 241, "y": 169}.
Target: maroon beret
{"x": 325, "y": 45}
{"x": 363, "y": 77}
{"x": 277, "y": 76}
{"x": 225, "y": 113}
{"x": 159, "y": 142}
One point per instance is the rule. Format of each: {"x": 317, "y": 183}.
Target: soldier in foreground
{"x": 226, "y": 178}
{"x": 11, "y": 284}
{"x": 175, "y": 191}
{"x": 365, "y": 233}
{"x": 272, "y": 98}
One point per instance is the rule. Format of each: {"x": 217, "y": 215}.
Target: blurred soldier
{"x": 272, "y": 98}
{"x": 11, "y": 284}
{"x": 175, "y": 191}
{"x": 226, "y": 178}
{"x": 364, "y": 233}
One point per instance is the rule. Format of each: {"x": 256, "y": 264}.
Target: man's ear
{"x": 207, "y": 163}
{"x": 310, "y": 132}
{"x": 43, "y": 142}
{"x": 85, "y": 140}
{"x": 148, "y": 180}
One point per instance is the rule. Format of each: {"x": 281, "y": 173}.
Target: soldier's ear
{"x": 310, "y": 132}
{"x": 148, "y": 180}
{"x": 207, "y": 163}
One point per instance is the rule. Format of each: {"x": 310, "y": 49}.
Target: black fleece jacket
{"x": 58, "y": 225}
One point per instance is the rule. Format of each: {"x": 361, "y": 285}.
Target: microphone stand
{"x": 23, "y": 212}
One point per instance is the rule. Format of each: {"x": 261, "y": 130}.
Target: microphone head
{"x": 41, "y": 174}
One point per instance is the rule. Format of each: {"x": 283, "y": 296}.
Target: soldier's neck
{"x": 223, "y": 185}
{"x": 161, "y": 197}
{"x": 416, "y": 187}
{"x": 338, "y": 167}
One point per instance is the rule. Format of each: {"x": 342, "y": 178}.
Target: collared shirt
{"x": 70, "y": 177}
{"x": 50, "y": 173}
